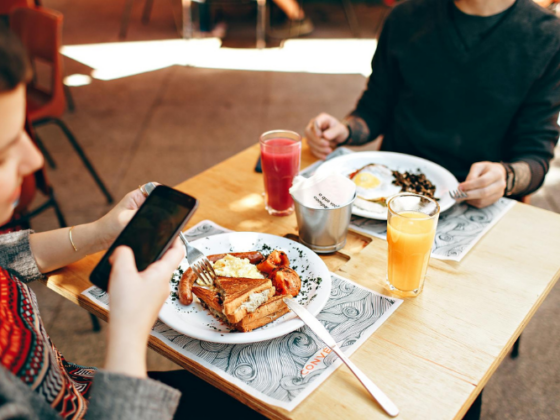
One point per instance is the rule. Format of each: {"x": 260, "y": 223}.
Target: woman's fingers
{"x": 164, "y": 268}
{"x": 123, "y": 264}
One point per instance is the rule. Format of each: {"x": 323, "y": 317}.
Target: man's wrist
{"x": 509, "y": 178}
{"x": 358, "y": 131}
{"x": 348, "y": 137}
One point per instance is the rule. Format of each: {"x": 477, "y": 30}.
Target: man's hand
{"x": 324, "y": 133}
{"x": 485, "y": 184}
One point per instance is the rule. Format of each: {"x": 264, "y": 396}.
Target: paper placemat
{"x": 458, "y": 230}
{"x": 285, "y": 370}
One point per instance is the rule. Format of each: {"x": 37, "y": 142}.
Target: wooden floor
{"x": 169, "y": 124}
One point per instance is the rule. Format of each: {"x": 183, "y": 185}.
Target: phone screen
{"x": 151, "y": 230}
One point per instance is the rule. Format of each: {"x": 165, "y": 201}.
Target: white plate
{"x": 195, "y": 321}
{"x": 444, "y": 180}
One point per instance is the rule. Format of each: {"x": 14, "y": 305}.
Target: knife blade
{"x": 321, "y": 332}
{"x": 312, "y": 322}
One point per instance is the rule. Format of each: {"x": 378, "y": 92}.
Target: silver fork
{"x": 457, "y": 194}
{"x": 199, "y": 263}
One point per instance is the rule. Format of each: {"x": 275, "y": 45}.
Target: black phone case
{"x": 100, "y": 274}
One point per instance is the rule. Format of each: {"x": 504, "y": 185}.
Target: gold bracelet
{"x": 71, "y": 241}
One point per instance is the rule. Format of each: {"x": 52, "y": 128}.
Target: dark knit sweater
{"x": 499, "y": 101}
{"x": 473, "y": 29}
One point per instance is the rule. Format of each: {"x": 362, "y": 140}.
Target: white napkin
{"x": 329, "y": 190}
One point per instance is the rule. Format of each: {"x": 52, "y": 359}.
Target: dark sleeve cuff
{"x": 119, "y": 397}
{"x": 15, "y": 255}
{"x": 538, "y": 172}
{"x": 356, "y": 132}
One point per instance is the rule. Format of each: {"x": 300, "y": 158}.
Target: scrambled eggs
{"x": 236, "y": 267}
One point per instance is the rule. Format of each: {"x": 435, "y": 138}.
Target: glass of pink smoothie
{"x": 280, "y": 157}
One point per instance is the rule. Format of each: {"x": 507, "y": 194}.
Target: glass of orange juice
{"x": 411, "y": 229}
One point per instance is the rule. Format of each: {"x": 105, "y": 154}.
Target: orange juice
{"x": 410, "y": 235}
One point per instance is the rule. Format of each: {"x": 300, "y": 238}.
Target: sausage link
{"x": 184, "y": 291}
{"x": 254, "y": 257}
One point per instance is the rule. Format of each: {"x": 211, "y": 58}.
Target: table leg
{"x": 476, "y": 409}
{"x": 125, "y": 18}
{"x": 187, "y": 19}
{"x": 261, "y": 24}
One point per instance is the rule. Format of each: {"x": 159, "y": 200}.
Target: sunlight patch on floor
{"x": 322, "y": 56}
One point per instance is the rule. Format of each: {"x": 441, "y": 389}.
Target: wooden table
{"x": 436, "y": 353}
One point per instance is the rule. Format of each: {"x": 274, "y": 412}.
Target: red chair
{"x": 6, "y": 6}
{"x": 40, "y": 31}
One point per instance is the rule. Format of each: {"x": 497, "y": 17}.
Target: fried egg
{"x": 375, "y": 182}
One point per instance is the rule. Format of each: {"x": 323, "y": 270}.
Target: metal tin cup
{"x": 323, "y": 230}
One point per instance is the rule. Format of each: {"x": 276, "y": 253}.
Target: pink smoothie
{"x": 280, "y": 164}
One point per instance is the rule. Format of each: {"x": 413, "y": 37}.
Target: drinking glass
{"x": 411, "y": 229}
{"x": 280, "y": 158}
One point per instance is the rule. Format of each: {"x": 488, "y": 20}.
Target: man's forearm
{"x": 527, "y": 176}
{"x": 522, "y": 178}
{"x": 359, "y": 131}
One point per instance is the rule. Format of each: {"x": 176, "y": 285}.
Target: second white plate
{"x": 444, "y": 180}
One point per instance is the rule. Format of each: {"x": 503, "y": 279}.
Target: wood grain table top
{"x": 435, "y": 354}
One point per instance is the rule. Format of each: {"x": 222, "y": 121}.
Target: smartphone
{"x": 151, "y": 231}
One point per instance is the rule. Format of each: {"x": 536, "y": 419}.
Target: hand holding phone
{"x": 136, "y": 299}
{"x": 150, "y": 231}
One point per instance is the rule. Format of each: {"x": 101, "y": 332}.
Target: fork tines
{"x": 458, "y": 193}
{"x": 204, "y": 271}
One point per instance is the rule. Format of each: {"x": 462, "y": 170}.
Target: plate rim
{"x": 349, "y": 156}
{"x": 292, "y": 323}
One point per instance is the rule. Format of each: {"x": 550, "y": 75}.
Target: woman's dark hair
{"x": 14, "y": 65}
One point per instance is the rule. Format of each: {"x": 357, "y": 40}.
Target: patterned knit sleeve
{"x": 15, "y": 255}
{"x": 120, "y": 397}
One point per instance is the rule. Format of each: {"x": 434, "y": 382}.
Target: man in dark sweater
{"x": 473, "y": 85}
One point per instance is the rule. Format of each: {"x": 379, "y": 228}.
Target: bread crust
{"x": 260, "y": 322}
{"x": 266, "y": 313}
{"x": 209, "y": 296}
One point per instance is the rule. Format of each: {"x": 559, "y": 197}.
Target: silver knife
{"x": 318, "y": 328}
